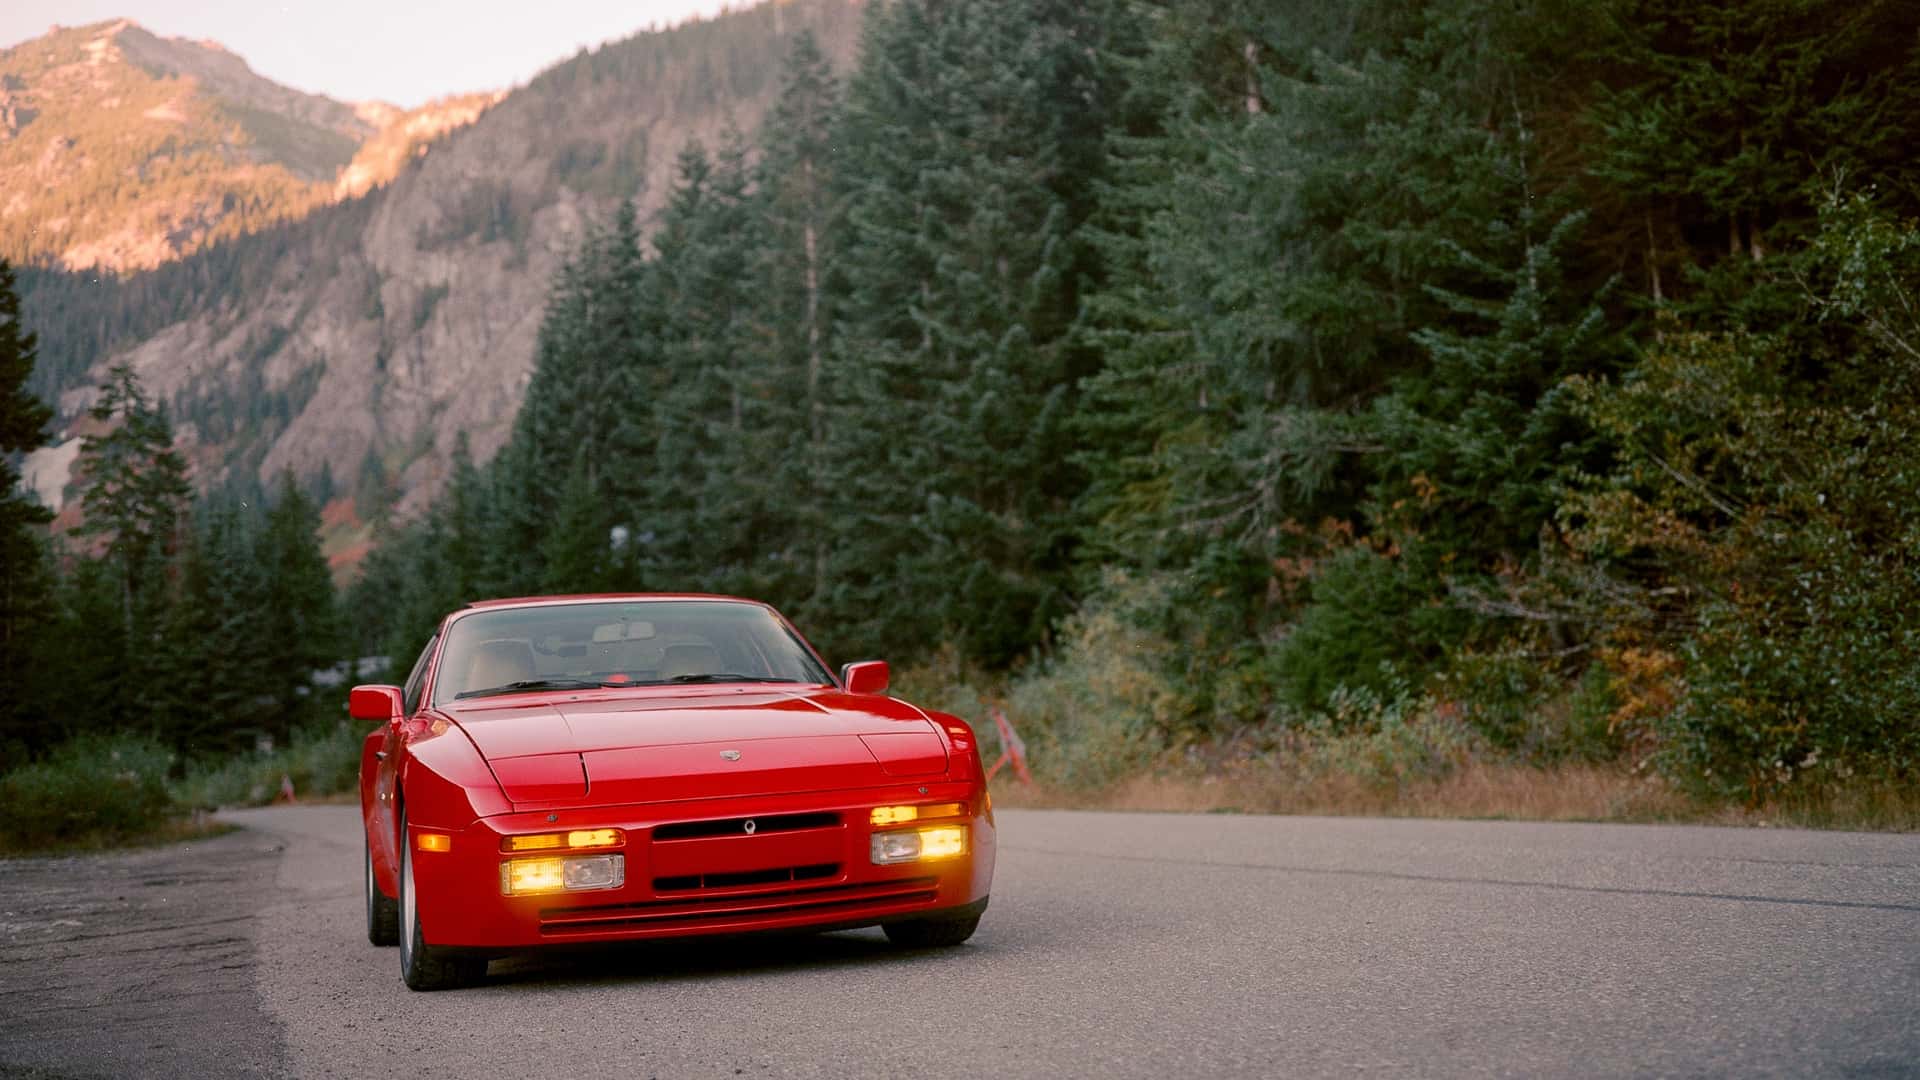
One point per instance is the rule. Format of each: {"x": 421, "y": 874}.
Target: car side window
{"x": 417, "y": 681}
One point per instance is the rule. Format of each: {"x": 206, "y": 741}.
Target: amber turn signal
{"x": 900, "y": 815}
{"x": 576, "y": 840}
{"x": 432, "y": 841}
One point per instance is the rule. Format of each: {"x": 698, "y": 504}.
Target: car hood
{"x": 653, "y": 745}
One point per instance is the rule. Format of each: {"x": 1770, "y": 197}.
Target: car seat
{"x": 497, "y": 663}
{"x": 689, "y": 660}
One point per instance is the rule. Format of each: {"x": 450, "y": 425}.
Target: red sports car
{"x": 578, "y": 769}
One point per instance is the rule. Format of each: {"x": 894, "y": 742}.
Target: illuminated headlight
{"x": 521, "y": 877}
{"x": 919, "y": 844}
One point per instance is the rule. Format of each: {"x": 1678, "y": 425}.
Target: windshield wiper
{"x": 727, "y": 677}
{"x": 533, "y": 684}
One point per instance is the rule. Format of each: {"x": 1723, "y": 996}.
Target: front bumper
{"x": 689, "y": 871}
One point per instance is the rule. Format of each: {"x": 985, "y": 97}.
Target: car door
{"x": 387, "y": 774}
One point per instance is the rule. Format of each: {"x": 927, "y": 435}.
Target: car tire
{"x": 931, "y": 933}
{"x": 383, "y": 911}
{"x": 423, "y": 966}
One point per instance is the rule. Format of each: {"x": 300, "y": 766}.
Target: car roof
{"x": 580, "y": 598}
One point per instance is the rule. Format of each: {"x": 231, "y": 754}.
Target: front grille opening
{"x": 772, "y": 823}
{"x": 815, "y": 902}
{"x": 685, "y": 882}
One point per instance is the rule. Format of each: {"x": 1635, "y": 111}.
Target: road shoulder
{"x": 138, "y": 963}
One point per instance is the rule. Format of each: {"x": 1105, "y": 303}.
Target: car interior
{"x": 616, "y": 645}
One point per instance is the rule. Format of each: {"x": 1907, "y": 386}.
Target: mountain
{"x": 121, "y": 149}
{"x": 364, "y": 340}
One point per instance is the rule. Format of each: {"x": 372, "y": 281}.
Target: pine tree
{"x": 574, "y": 554}
{"x": 464, "y": 514}
{"x": 324, "y": 488}
{"x": 591, "y": 402}
{"x": 1723, "y": 125}
{"x": 23, "y": 418}
{"x": 705, "y": 249}
{"x": 24, "y": 585}
{"x": 791, "y": 331}
{"x": 80, "y": 675}
{"x": 1345, "y": 279}
{"x": 1182, "y": 64}
{"x": 135, "y": 499}
{"x": 969, "y": 138}
{"x": 389, "y": 621}
{"x": 302, "y": 632}
{"x": 373, "y": 491}
{"x": 137, "y": 483}
{"x": 519, "y": 501}
{"x": 217, "y": 695}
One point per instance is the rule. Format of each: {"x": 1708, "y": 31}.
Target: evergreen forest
{"x": 1528, "y": 381}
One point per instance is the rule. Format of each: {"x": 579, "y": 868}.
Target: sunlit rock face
{"x": 405, "y": 135}
{"x": 214, "y": 150}
{"x": 47, "y": 471}
{"x": 121, "y": 150}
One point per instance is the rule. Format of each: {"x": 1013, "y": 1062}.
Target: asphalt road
{"x": 1117, "y": 945}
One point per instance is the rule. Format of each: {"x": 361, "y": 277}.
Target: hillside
{"x": 404, "y": 135}
{"x": 1337, "y": 407}
{"x": 363, "y": 339}
{"x": 120, "y": 149}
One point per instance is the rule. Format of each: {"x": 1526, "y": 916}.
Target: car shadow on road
{"x": 701, "y": 959}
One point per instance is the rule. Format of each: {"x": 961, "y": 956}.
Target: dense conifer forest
{"x": 1531, "y": 376}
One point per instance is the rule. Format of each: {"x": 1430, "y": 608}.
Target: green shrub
{"x": 1525, "y": 707}
{"x": 1101, "y": 708}
{"x": 1763, "y": 505}
{"x": 1371, "y": 616}
{"x": 1581, "y": 724}
{"x": 948, "y": 683}
{"x": 91, "y": 788}
{"x": 1384, "y": 738}
{"x": 323, "y": 759}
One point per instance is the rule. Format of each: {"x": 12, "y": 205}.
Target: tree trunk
{"x": 1653, "y": 261}
{"x": 816, "y": 410}
{"x": 1251, "y": 52}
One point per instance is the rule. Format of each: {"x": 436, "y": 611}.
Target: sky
{"x": 405, "y": 52}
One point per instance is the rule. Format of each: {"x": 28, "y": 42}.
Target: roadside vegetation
{"x": 321, "y": 760}
{"x": 1466, "y": 407}
{"x": 98, "y": 791}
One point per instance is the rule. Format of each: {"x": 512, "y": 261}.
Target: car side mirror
{"x": 377, "y": 704}
{"x": 865, "y": 677}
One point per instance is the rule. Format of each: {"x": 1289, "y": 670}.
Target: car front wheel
{"x": 422, "y": 966}
{"x": 383, "y": 911}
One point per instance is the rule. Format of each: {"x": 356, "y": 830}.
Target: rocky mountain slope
{"x": 404, "y": 135}
{"x": 121, "y": 149}
{"x": 364, "y": 339}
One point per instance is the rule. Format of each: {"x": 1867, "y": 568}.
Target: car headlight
{"x": 917, "y": 845}
{"x": 524, "y": 877}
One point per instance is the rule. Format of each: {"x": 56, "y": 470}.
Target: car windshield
{"x": 619, "y": 643}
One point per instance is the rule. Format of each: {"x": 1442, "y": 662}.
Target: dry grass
{"x": 196, "y": 826}
{"x": 1878, "y": 807}
{"x": 1477, "y": 790}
